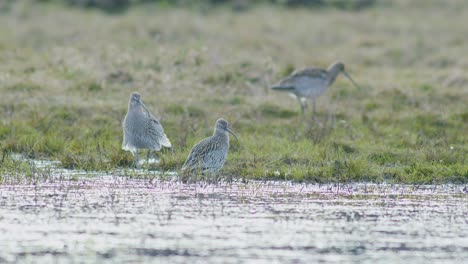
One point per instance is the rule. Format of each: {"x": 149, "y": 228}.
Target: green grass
{"x": 66, "y": 74}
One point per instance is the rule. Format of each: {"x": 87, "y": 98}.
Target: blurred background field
{"x": 67, "y": 69}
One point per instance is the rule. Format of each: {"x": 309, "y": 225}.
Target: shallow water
{"x": 119, "y": 219}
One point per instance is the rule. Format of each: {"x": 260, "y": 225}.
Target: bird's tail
{"x": 165, "y": 141}
{"x": 284, "y": 88}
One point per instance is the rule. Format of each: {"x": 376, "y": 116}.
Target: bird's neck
{"x": 135, "y": 111}
{"x": 220, "y": 133}
{"x": 332, "y": 74}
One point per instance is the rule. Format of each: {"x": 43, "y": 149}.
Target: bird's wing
{"x": 198, "y": 153}
{"x": 310, "y": 73}
{"x": 163, "y": 140}
{"x": 290, "y": 82}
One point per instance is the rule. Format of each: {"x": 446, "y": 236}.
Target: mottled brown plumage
{"x": 311, "y": 83}
{"x": 141, "y": 130}
{"x": 209, "y": 155}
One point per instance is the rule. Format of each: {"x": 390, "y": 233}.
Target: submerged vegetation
{"x": 66, "y": 74}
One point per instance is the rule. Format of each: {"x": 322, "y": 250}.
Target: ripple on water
{"x": 122, "y": 219}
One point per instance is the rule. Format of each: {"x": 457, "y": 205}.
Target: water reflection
{"x": 125, "y": 219}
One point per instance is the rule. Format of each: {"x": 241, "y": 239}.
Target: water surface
{"x": 120, "y": 219}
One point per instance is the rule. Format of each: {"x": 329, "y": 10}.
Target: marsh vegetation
{"x": 66, "y": 74}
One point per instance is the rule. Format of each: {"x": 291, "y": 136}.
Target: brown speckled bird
{"x": 311, "y": 83}
{"x": 209, "y": 155}
{"x": 141, "y": 130}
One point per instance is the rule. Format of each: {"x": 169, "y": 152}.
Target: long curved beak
{"x": 351, "y": 79}
{"x": 232, "y": 133}
{"x": 144, "y": 106}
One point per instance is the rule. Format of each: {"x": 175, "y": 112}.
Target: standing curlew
{"x": 209, "y": 155}
{"x": 141, "y": 130}
{"x": 311, "y": 83}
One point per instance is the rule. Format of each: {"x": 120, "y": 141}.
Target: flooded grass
{"x": 122, "y": 219}
{"x": 133, "y": 215}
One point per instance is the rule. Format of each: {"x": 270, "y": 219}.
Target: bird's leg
{"x": 216, "y": 177}
{"x": 300, "y": 102}
{"x": 136, "y": 159}
{"x": 148, "y": 156}
{"x": 313, "y": 106}
{"x": 213, "y": 178}
{"x": 303, "y": 104}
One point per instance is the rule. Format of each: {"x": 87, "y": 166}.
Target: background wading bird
{"x": 311, "y": 83}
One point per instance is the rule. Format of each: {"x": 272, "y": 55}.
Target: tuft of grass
{"x": 343, "y": 147}
{"x": 274, "y": 111}
{"x": 384, "y": 158}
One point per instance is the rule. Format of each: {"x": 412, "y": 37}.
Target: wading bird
{"x": 209, "y": 155}
{"x": 311, "y": 83}
{"x": 141, "y": 130}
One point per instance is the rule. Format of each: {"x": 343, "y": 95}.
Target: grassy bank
{"x": 66, "y": 75}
